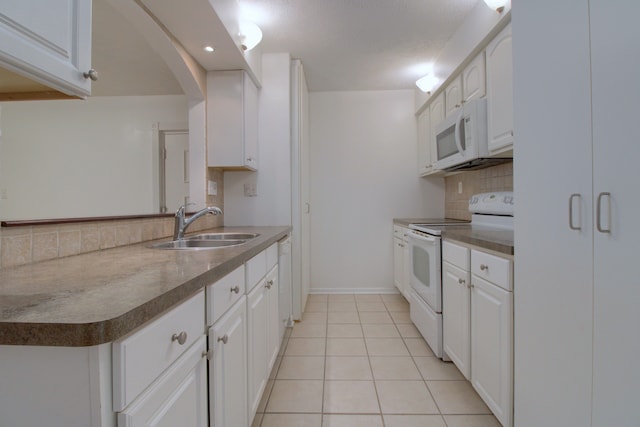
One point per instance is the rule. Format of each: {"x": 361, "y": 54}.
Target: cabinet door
{"x": 406, "y": 270}
{"x": 453, "y": 96}
{"x": 474, "y": 80}
{"x": 273, "y": 318}
{"x": 491, "y": 347}
{"x": 500, "y": 92}
{"x": 436, "y": 115}
{"x": 424, "y": 143}
{"x": 456, "y": 310}
{"x": 228, "y": 368}
{"x": 615, "y": 93}
{"x": 177, "y": 398}
{"x": 398, "y": 264}
{"x": 48, "y": 41}
{"x": 257, "y": 338}
{"x": 232, "y": 120}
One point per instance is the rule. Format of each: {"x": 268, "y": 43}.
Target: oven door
{"x": 424, "y": 258}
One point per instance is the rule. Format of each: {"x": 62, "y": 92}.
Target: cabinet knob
{"x": 224, "y": 339}
{"x": 269, "y": 284}
{"x": 235, "y": 289}
{"x": 484, "y": 267}
{"x": 207, "y": 354}
{"x": 91, "y": 74}
{"x": 462, "y": 281}
{"x": 181, "y": 337}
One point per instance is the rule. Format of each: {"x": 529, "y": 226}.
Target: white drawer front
{"x": 456, "y": 255}
{"x": 272, "y": 256}
{"x": 142, "y": 356}
{"x": 255, "y": 270}
{"x": 494, "y": 269}
{"x": 397, "y": 231}
{"x": 224, "y": 293}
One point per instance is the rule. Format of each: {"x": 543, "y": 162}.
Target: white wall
{"x": 272, "y": 205}
{"x": 363, "y": 174}
{"x": 77, "y": 158}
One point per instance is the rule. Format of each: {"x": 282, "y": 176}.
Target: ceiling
{"x": 343, "y": 44}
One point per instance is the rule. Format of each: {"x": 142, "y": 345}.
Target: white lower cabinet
{"x": 177, "y": 398}
{"x": 228, "y": 368}
{"x": 478, "y": 323}
{"x": 257, "y": 313}
{"x": 401, "y": 266}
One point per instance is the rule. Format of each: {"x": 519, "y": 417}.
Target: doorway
{"x": 173, "y": 169}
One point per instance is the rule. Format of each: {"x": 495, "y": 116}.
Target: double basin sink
{"x": 207, "y": 241}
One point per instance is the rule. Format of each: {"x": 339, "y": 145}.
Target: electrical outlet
{"x": 250, "y": 190}
{"x": 212, "y": 188}
{"x": 459, "y": 187}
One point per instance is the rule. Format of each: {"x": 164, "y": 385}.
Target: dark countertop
{"x": 97, "y": 297}
{"x": 484, "y": 237}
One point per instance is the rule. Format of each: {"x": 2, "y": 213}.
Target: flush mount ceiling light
{"x": 427, "y": 83}
{"x": 208, "y": 49}
{"x": 497, "y": 5}
{"x": 250, "y": 35}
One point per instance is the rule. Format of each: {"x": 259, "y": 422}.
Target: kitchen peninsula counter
{"x": 98, "y": 297}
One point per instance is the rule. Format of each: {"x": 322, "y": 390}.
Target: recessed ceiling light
{"x": 208, "y": 48}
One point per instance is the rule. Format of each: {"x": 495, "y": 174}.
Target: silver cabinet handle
{"x": 235, "y": 289}
{"x": 599, "y": 213}
{"x": 181, "y": 337}
{"x": 462, "y": 281}
{"x": 572, "y": 226}
{"x": 207, "y": 354}
{"x": 484, "y": 267}
{"x": 224, "y": 339}
{"x": 269, "y": 284}
{"x": 91, "y": 74}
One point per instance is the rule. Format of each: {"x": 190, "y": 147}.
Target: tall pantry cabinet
{"x": 576, "y": 221}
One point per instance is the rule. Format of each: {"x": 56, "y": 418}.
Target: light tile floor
{"x": 358, "y": 361}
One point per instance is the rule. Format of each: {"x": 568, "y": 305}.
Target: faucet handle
{"x": 183, "y": 208}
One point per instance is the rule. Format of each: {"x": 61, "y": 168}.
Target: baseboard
{"x": 361, "y": 291}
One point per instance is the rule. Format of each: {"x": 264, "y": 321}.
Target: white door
{"x": 398, "y": 264}
{"x": 176, "y": 170}
{"x": 474, "y": 80}
{"x": 453, "y": 96}
{"x": 424, "y": 143}
{"x": 553, "y": 285}
{"x": 228, "y": 368}
{"x": 301, "y": 203}
{"x": 436, "y": 115}
{"x": 456, "y": 311}
{"x": 491, "y": 347}
{"x": 615, "y": 61}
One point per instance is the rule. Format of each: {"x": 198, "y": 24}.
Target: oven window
{"x": 421, "y": 263}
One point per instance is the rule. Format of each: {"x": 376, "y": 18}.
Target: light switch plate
{"x": 212, "y": 188}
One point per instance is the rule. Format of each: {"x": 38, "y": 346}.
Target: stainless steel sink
{"x": 224, "y": 236}
{"x": 194, "y": 244}
{"x": 207, "y": 241}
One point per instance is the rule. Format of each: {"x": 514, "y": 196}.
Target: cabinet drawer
{"x": 456, "y": 255}
{"x": 142, "y": 356}
{"x": 255, "y": 269}
{"x": 495, "y": 269}
{"x": 224, "y": 293}
{"x": 272, "y": 256}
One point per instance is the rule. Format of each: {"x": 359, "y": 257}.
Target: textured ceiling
{"x": 359, "y": 44}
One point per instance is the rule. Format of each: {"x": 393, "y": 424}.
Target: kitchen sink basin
{"x": 223, "y": 236}
{"x": 207, "y": 241}
{"x": 196, "y": 244}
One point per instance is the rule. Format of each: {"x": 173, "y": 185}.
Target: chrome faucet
{"x": 181, "y": 224}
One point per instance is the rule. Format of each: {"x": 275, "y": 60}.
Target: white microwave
{"x": 461, "y": 138}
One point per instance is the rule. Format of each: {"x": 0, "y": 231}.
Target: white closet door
{"x": 553, "y": 275}
{"x": 615, "y": 55}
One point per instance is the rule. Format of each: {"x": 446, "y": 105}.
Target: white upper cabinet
{"x": 424, "y": 143}
{"x": 232, "y": 120}
{"x": 474, "y": 79}
{"x": 436, "y": 115}
{"x": 49, "y": 42}
{"x": 453, "y": 96}
{"x": 500, "y": 92}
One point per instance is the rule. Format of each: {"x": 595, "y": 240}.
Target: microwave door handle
{"x": 457, "y": 133}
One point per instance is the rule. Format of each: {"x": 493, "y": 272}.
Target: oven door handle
{"x": 422, "y": 238}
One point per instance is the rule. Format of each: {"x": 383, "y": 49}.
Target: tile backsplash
{"x": 496, "y": 178}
